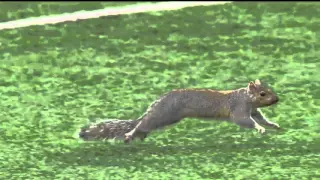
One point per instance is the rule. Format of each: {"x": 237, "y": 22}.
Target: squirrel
{"x": 240, "y": 106}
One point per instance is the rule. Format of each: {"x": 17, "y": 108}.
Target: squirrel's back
{"x": 206, "y": 102}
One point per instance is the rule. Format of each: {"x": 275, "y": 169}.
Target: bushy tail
{"x": 109, "y": 129}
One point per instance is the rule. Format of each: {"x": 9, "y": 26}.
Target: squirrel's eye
{"x": 262, "y": 93}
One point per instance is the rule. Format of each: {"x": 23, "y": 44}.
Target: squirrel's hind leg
{"x": 130, "y": 136}
{"x": 150, "y": 123}
{"x": 142, "y": 135}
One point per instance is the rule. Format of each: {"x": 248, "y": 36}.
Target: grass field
{"x": 55, "y": 77}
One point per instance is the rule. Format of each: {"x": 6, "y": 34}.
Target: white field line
{"x": 129, "y": 9}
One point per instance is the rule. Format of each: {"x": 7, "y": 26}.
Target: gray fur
{"x": 240, "y": 106}
{"x": 109, "y": 129}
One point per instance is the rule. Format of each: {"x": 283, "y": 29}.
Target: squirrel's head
{"x": 261, "y": 95}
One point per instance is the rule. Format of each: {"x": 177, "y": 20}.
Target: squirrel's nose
{"x": 276, "y": 99}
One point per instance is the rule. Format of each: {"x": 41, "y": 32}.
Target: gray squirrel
{"x": 240, "y": 106}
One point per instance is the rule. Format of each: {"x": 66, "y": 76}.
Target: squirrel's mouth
{"x": 275, "y": 100}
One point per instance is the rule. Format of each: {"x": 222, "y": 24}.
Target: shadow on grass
{"x": 140, "y": 154}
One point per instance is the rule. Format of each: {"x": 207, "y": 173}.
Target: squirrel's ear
{"x": 251, "y": 87}
{"x": 257, "y": 82}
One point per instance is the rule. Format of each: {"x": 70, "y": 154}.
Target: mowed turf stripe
{"x": 130, "y": 9}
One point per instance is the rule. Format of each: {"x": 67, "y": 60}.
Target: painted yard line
{"x": 129, "y": 9}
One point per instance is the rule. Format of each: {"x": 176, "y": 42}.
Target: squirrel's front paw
{"x": 260, "y": 129}
{"x": 275, "y": 125}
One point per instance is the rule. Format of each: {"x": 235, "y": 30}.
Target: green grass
{"x": 17, "y": 10}
{"x": 53, "y": 78}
